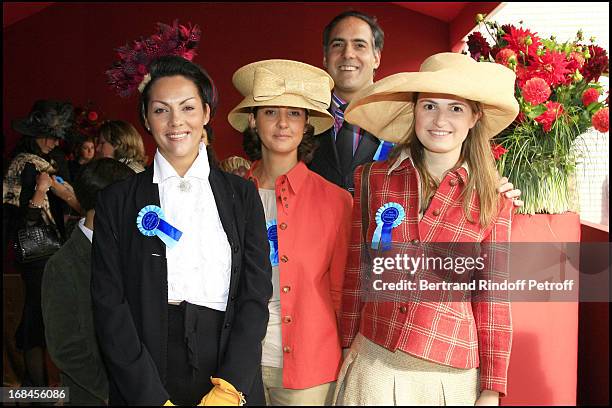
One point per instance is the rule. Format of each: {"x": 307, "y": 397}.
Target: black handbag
{"x": 37, "y": 242}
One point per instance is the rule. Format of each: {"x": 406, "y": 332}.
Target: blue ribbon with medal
{"x": 272, "y": 233}
{"x": 151, "y": 221}
{"x": 388, "y": 216}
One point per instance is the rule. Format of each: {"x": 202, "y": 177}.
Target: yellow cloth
{"x": 222, "y": 394}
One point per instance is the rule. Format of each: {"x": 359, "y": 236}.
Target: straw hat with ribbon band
{"x": 283, "y": 83}
{"x": 386, "y": 108}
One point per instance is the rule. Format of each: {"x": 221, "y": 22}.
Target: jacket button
{"x": 235, "y": 270}
{"x": 287, "y": 349}
{"x": 283, "y": 226}
{"x": 284, "y": 259}
{"x": 286, "y": 289}
{"x": 233, "y": 297}
{"x": 453, "y": 182}
{"x": 286, "y": 205}
{"x": 227, "y": 325}
{"x": 403, "y": 309}
{"x": 287, "y": 319}
{"x": 436, "y": 212}
{"x": 236, "y": 248}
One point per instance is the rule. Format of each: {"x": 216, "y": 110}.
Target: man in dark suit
{"x": 66, "y": 296}
{"x": 352, "y": 45}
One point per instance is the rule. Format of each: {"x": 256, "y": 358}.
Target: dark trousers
{"x": 193, "y": 347}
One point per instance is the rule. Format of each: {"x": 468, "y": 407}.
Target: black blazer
{"x": 327, "y": 163}
{"x": 130, "y": 289}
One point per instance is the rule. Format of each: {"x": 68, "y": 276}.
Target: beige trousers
{"x": 277, "y": 395}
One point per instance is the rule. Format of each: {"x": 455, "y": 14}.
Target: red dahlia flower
{"x": 551, "y": 67}
{"x": 506, "y": 57}
{"x": 601, "y": 120}
{"x": 590, "y": 96}
{"x": 554, "y": 110}
{"x": 522, "y": 40}
{"x": 596, "y": 65}
{"x": 478, "y": 45}
{"x": 498, "y": 151}
{"x": 536, "y": 91}
{"x": 576, "y": 61}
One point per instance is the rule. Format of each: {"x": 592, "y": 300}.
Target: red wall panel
{"x": 63, "y": 51}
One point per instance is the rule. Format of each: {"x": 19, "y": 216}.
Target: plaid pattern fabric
{"x": 458, "y": 334}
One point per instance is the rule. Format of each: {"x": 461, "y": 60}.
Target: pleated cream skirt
{"x": 373, "y": 375}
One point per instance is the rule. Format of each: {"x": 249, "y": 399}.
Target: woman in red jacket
{"x": 439, "y": 186}
{"x": 285, "y": 105}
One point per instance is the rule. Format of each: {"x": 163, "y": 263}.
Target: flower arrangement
{"x": 560, "y": 98}
{"x": 87, "y": 121}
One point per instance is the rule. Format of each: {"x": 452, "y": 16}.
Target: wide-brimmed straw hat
{"x": 386, "y": 108}
{"x": 283, "y": 83}
{"x": 47, "y": 118}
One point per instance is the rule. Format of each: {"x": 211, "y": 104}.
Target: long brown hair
{"x": 476, "y": 152}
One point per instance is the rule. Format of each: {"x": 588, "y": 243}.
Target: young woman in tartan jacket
{"x": 439, "y": 186}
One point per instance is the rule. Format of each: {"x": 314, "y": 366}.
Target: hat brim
{"x": 25, "y": 128}
{"x": 386, "y": 108}
{"x": 320, "y": 119}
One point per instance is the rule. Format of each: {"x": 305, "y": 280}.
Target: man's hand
{"x": 510, "y": 192}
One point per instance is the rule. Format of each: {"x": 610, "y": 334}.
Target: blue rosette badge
{"x": 388, "y": 216}
{"x": 272, "y": 233}
{"x": 151, "y": 221}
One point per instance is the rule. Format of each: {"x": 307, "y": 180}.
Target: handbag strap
{"x": 365, "y": 200}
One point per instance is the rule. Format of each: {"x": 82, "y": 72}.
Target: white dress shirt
{"x": 88, "y": 233}
{"x": 199, "y": 264}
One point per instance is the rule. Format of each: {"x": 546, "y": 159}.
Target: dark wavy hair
{"x": 377, "y": 32}
{"x": 96, "y": 175}
{"x": 251, "y": 143}
{"x": 172, "y": 65}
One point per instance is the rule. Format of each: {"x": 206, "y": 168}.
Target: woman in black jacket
{"x": 180, "y": 271}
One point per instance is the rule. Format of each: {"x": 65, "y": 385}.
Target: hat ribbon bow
{"x": 267, "y": 85}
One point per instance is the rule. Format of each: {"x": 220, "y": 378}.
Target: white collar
{"x": 88, "y": 233}
{"x": 163, "y": 170}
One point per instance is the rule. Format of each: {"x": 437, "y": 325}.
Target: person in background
{"x": 352, "y": 50}
{"x": 236, "y": 165}
{"x": 180, "y": 306}
{"x": 66, "y": 295}
{"x": 121, "y": 141}
{"x": 33, "y": 193}
{"x": 84, "y": 153}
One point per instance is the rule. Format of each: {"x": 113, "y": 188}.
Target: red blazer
{"x": 457, "y": 334}
{"x": 313, "y": 218}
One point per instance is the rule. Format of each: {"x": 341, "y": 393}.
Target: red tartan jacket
{"x": 458, "y": 334}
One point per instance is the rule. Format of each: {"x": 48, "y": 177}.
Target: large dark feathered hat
{"x": 47, "y": 118}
